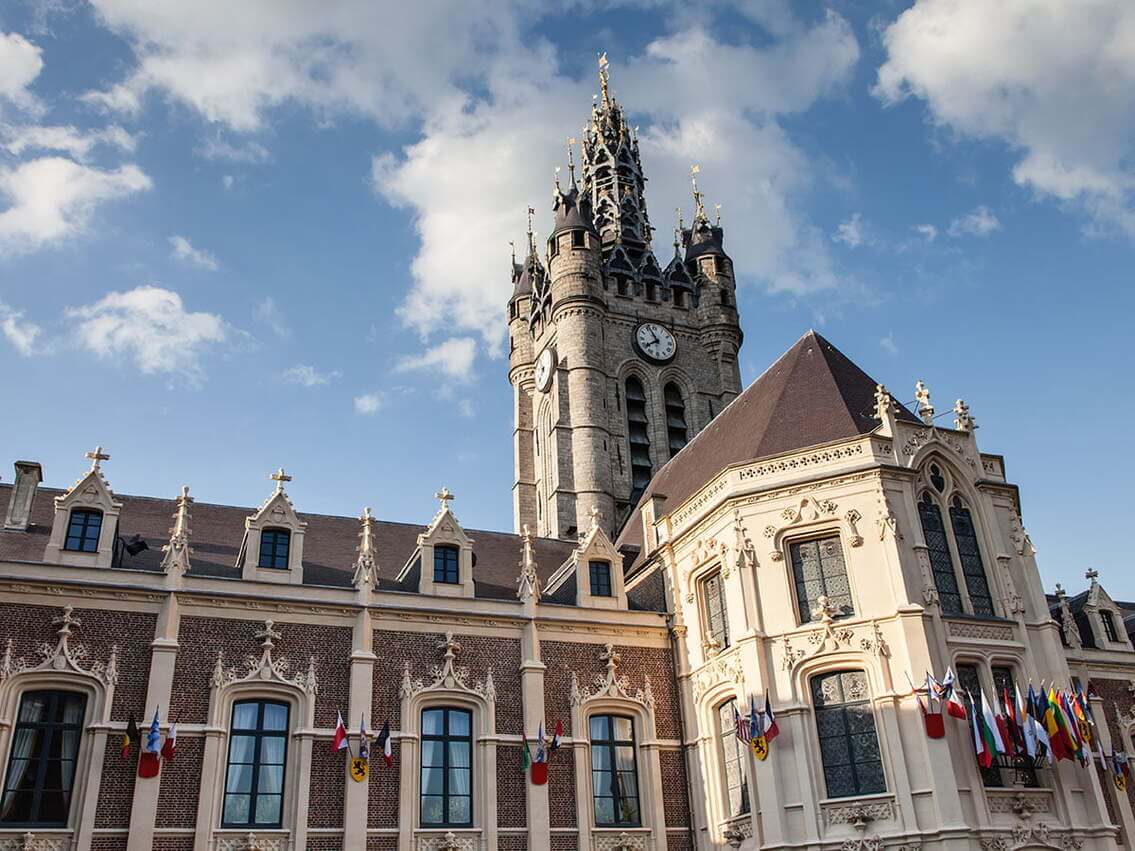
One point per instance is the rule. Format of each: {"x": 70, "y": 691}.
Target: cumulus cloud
{"x": 20, "y": 64}
{"x": 268, "y": 313}
{"x": 850, "y": 233}
{"x": 20, "y": 333}
{"x": 70, "y": 140}
{"x": 704, "y": 101}
{"x": 927, "y": 232}
{"x": 308, "y": 376}
{"x": 150, "y": 327}
{"x": 368, "y": 403}
{"x": 183, "y": 250}
{"x": 52, "y": 198}
{"x": 981, "y": 222}
{"x": 243, "y": 151}
{"x": 1053, "y": 80}
{"x": 453, "y": 359}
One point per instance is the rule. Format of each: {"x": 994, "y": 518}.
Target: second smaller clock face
{"x": 655, "y": 342}
{"x": 544, "y": 370}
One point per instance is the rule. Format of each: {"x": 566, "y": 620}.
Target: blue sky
{"x": 234, "y": 238}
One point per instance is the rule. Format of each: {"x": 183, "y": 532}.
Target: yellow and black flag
{"x": 131, "y": 737}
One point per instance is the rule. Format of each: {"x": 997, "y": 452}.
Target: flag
{"x": 933, "y": 692}
{"x": 1057, "y": 741}
{"x": 340, "y": 741}
{"x": 131, "y": 736}
{"x": 954, "y": 707}
{"x": 170, "y": 746}
{"x": 935, "y": 729}
{"x": 984, "y": 754}
{"x": 772, "y": 729}
{"x": 1016, "y": 739}
{"x": 149, "y": 764}
{"x": 1036, "y": 720}
{"x": 989, "y": 731}
{"x": 1028, "y": 731}
{"x": 360, "y": 765}
{"x": 1071, "y": 727}
{"x": 742, "y": 726}
{"x": 525, "y": 756}
{"x": 1119, "y": 770}
{"x": 558, "y": 735}
{"x": 757, "y": 740}
{"x": 387, "y": 749}
{"x": 541, "y": 753}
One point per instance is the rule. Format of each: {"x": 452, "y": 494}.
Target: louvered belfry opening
{"x": 638, "y": 434}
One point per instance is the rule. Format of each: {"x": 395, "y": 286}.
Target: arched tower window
{"x": 676, "y": 428}
{"x": 638, "y": 434}
{"x": 969, "y": 553}
{"x": 941, "y": 563}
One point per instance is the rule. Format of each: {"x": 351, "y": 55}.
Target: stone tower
{"x": 615, "y": 361}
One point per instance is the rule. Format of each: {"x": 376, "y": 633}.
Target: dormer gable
{"x": 444, "y": 554}
{"x": 272, "y": 550}
{"x": 1104, "y": 617}
{"x": 597, "y": 568}
{"x": 86, "y": 520}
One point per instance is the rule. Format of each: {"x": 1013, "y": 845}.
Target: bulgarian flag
{"x": 340, "y": 741}
{"x": 980, "y": 746}
{"x": 991, "y": 735}
{"x": 131, "y": 736}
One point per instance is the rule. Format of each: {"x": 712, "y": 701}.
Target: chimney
{"x": 28, "y": 476}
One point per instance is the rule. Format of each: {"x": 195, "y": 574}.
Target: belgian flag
{"x": 131, "y": 737}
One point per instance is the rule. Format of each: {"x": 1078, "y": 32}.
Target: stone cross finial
{"x": 444, "y": 496}
{"x": 66, "y": 622}
{"x": 269, "y": 635}
{"x": 279, "y": 477}
{"x": 1059, "y": 591}
{"x": 531, "y": 234}
{"x": 571, "y": 158}
{"x": 97, "y": 456}
{"x": 451, "y": 646}
{"x": 610, "y": 656}
{"x": 963, "y": 421}
{"x": 699, "y": 206}
{"x": 925, "y": 409}
{"x": 366, "y": 563}
{"x": 1092, "y": 574}
{"x": 717, "y": 211}
{"x": 604, "y": 78}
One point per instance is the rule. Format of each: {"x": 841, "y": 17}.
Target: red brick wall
{"x": 201, "y": 638}
{"x": 324, "y": 843}
{"x": 563, "y": 657}
{"x": 108, "y": 843}
{"x": 99, "y": 630}
{"x": 512, "y": 842}
{"x": 477, "y": 653}
{"x": 382, "y": 804}
{"x": 327, "y": 780}
{"x": 678, "y": 842}
{"x": 382, "y": 843}
{"x": 181, "y": 784}
{"x": 116, "y": 791}
{"x": 173, "y": 843}
{"x": 1117, "y": 699}
{"x": 562, "y": 842}
{"x": 675, "y": 789}
{"x": 561, "y": 788}
{"x": 512, "y": 803}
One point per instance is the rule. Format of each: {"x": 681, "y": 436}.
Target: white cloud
{"x": 70, "y": 140}
{"x": 149, "y": 326}
{"x": 52, "y": 198}
{"x": 184, "y": 251}
{"x": 888, "y": 344}
{"x": 981, "y": 222}
{"x": 227, "y": 182}
{"x": 246, "y": 151}
{"x": 705, "y": 101}
{"x": 850, "y": 233}
{"x": 268, "y": 313}
{"x": 20, "y": 64}
{"x": 1053, "y": 80}
{"x": 308, "y": 376}
{"x": 453, "y": 359}
{"x": 927, "y": 232}
{"x": 466, "y": 409}
{"x": 20, "y": 333}
{"x": 369, "y": 403}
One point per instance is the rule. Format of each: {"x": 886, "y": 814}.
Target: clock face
{"x": 544, "y": 370}
{"x": 654, "y": 342}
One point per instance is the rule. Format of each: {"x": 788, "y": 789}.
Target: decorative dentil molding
{"x": 366, "y": 563}
{"x": 447, "y": 676}
{"x": 265, "y": 667}
{"x": 611, "y": 684}
{"x": 63, "y": 656}
{"x": 176, "y": 553}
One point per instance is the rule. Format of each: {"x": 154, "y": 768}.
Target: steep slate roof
{"x": 328, "y": 548}
{"x": 811, "y": 395}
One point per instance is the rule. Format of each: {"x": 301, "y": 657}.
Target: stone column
{"x": 532, "y": 691}
{"x": 163, "y": 655}
{"x": 355, "y": 801}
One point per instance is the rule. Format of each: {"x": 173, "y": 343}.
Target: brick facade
{"x": 328, "y": 777}
{"x": 181, "y": 784}
{"x": 675, "y": 789}
{"x": 511, "y": 784}
{"x": 561, "y": 788}
{"x": 116, "y": 788}
{"x": 382, "y": 801}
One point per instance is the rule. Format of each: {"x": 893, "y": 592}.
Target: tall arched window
{"x": 676, "y": 428}
{"x": 258, "y": 745}
{"x": 638, "y": 433}
{"x": 941, "y": 562}
{"x": 849, "y": 747}
{"x": 732, "y": 760}
{"x": 969, "y": 553}
{"x": 41, "y": 766}
{"x": 447, "y": 768}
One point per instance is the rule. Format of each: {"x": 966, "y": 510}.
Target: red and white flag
{"x": 340, "y": 741}
{"x": 169, "y": 746}
{"x": 384, "y": 742}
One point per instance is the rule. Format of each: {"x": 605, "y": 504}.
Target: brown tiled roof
{"x": 328, "y": 551}
{"x": 811, "y": 395}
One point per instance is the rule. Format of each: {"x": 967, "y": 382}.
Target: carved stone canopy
{"x": 265, "y": 667}
{"x": 62, "y": 657}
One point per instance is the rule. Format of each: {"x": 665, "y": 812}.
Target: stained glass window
{"x": 941, "y": 562}
{"x": 849, "y": 747}
{"x": 733, "y": 760}
{"x": 973, "y": 569}
{"x": 714, "y": 609}
{"x": 818, "y": 569}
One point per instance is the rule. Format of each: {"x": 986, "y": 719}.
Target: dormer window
{"x": 446, "y": 565}
{"x": 600, "y": 578}
{"x": 274, "y": 545}
{"x": 83, "y": 530}
{"x": 1109, "y": 630}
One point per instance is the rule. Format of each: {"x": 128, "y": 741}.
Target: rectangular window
{"x": 83, "y": 530}
{"x": 818, "y": 570}
{"x": 614, "y": 778}
{"x": 274, "y": 545}
{"x": 733, "y": 760}
{"x": 1109, "y": 629}
{"x": 849, "y": 747}
{"x": 254, "y": 780}
{"x": 41, "y": 766}
{"x": 445, "y": 564}
{"x": 578, "y": 239}
{"x": 447, "y": 768}
{"x": 600, "y": 578}
{"x": 714, "y": 609}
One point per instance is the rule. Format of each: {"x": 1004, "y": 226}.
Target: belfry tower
{"x": 616, "y": 362}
